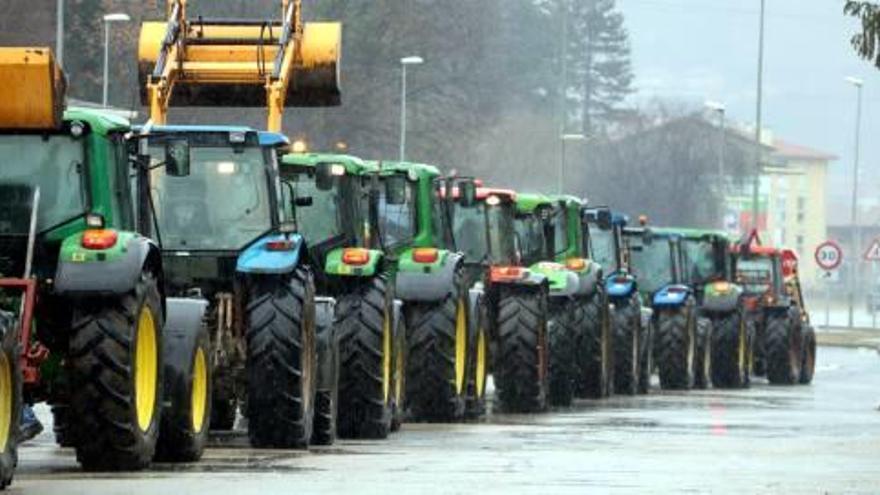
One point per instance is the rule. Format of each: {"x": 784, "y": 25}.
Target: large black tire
{"x": 562, "y": 364}
{"x": 61, "y": 425}
{"x": 437, "y": 364}
{"x": 808, "y": 362}
{"x": 399, "y": 400}
{"x": 521, "y": 375}
{"x": 478, "y": 360}
{"x": 364, "y": 323}
{"x": 730, "y": 351}
{"x": 10, "y": 398}
{"x": 224, "y": 403}
{"x": 675, "y": 347}
{"x": 646, "y": 354}
{"x": 327, "y": 395}
{"x": 281, "y": 360}
{"x": 111, "y": 433}
{"x": 184, "y": 428}
{"x": 782, "y": 347}
{"x": 626, "y": 322}
{"x": 596, "y": 349}
{"x": 703, "y": 354}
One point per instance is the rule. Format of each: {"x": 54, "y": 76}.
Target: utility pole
{"x": 59, "y": 32}
{"x": 563, "y": 93}
{"x": 756, "y": 184}
{"x": 854, "y": 214}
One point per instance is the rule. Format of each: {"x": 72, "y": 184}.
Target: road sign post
{"x": 828, "y": 256}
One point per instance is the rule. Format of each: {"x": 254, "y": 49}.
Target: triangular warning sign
{"x": 873, "y": 252}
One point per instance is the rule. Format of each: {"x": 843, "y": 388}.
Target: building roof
{"x": 792, "y": 151}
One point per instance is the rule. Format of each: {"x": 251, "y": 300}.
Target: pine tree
{"x": 867, "y": 41}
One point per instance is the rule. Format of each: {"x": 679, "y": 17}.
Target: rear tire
{"x": 808, "y": 362}
{"x": 478, "y": 360}
{"x": 595, "y": 350}
{"x": 521, "y": 365}
{"x": 730, "y": 347}
{"x": 116, "y": 378}
{"x": 327, "y": 396}
{"x": 281, "y": 360}
{"x": 675, "y": 348}
{"x": 61, "y": 425}
{"x": 646, "y": 355}
{"x": 703, "y": 354}
{"x": 365, "y": 331}
{"x": 10, "y": 398}
{"x": 782, "y": 345}
{"x": 562, "y": 365}
{"x": 627, "y": 327}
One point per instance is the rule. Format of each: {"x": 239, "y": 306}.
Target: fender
{"x": 721, "y": 297}
{"x": 620, "y": 285}
{"x": 589, "y": 279}
{"x": 326, "y": 344}
{"x": 561, "y": 281}
{"x": 516, "y": 275}
{"x": 672, "y": 296}
{"x": 259, "y": 259}
{"x": 110, "y": 271}
{"x": 426, "y": 282}
{"x": 336, "y": 265}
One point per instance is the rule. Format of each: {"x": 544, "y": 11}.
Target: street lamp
{"x": 720, "y": 109}
{"x": 404, "y": 62}
{"x": 565, "y": 138}
{"x": 59, "y": 32}
{"x": 756, "y": 184}
{"x": 117, "y": 17}
{"x": 858, "y": 83}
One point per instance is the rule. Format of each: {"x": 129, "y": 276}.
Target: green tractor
{"x": 512, "y": 300}
{"x": 228, "y": 231}
{"x": 633, "y": 329}
{"x": 551, "y": 239}
{"x": 85, "y": 322}
{"x": 447, "y": 351}
{"x": 340, "y": 200}
{"x": 712, "y": 276}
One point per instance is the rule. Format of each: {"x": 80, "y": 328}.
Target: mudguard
{"x": 589, "y": 279}
{"x": 671, "y": 296}
{"x": 526, "y": 277}
{"x": 258, "y": 259}
{"x": 561, "y": 281}
{"x": 620, "y": 285}
{"x": 721, "y": 297}
{"x": 115, "y": 270}
{"x": 326, "y": 344}
{"x": 335, "y": 264}
{"x": 427, "y": 281}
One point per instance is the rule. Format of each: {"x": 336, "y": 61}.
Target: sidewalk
{"x": 848, "y": 337}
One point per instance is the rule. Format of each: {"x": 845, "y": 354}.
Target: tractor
{"x": 660, "y": 263}
{"x": 86, "y": 324}
{"x": 633, "y": 330}
{"x": 340, "y": 200}
{"x": 719, "y": 297}
{"x": 552, "y": 243}
{"x": 785, "y": 342}
{"x": 513, "y": 301}
{"x": 446, "y": 361}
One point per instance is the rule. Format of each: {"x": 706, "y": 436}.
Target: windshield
{"x": 701, "y": 258}
{"x": 652, "y": 263}
{"x": 222, "y": 205}
{"x": 602, "y": 243}
{"x": 397, "y": 223}
{"x": 501, "y": 234}
{"x": 319, "y": 221}
{"x": 55, "y": 164}
{"x": 469, "y": 227}
{"x": 560, "y": 232}
{"x": 755, "y": 274}
{"x": 530, "y": 230}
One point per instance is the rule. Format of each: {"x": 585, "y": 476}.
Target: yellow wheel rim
{"x": 398, "y": 377}
{"x": 460, "y": 346}
{"x": 199, "y": 390}
{"x": 5, "y": 401}
{"x": 386, "y": 357}
{"x": 741, "y": 356}
{"x": 481, "y": 363}
{"x": 146, "y": 369}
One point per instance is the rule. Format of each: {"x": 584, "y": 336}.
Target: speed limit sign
{"x": 828, "y": 255}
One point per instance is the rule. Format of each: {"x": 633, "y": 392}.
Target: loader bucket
{"x": 32, "y": 87}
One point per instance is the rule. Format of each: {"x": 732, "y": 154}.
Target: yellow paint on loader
{"x": 32, "y": 89}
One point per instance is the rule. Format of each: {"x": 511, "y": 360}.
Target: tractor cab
{"x": 709, "y": 262}
{"x": 658, "y": 260}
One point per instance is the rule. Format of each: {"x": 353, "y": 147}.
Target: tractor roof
{"x": 527, "y": 203}
{"x": 569, "y": 200}
{"x": 273, "y": 139}
{"x": 419, "y": 169}
{"x": 485, "y": 192}
{"x": 353, "y": 165}
{"x": 100, "y": 121}
{"x": 699, "y": 234}
{"x": 200, "y": 128}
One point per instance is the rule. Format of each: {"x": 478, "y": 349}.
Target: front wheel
{"x": 808, "y": 362}
{"x": 521, "y": 364}
{"x": 596, "y": 350}
{"x": 703, "y": 354}
{"x": 626, "y": 322}
{"x": 782, "y": 347}
{"x": 730, "y": 351}
{"x": 281, "y": 360}
{"x": 562, "y": 364}
{"x": 116, "y": 378}
{"x": 10, "y": 399}
{"x": 675, "y": 348}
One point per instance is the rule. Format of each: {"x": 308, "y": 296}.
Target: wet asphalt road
{"x": 823, "y": 438}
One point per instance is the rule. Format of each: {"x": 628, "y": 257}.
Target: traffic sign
{"x": 873, "y": 252}
{"x": 829, "y": 255}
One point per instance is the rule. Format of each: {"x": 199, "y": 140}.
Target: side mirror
{"x": 177, "y": 157}
{"x": 395, "y": 189}
{"x": 468, "y": 193}
{"x": 326, "y": 174}
{"x": 603, "y": 219}
{"x": 303, "y": 201}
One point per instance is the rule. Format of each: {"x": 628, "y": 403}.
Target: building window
{"x": 799, "y": 241}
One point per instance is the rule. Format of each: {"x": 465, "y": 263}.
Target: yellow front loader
{"x": 234, "y": 62}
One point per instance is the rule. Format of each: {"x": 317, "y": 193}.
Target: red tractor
{"x": 784, "y": 341}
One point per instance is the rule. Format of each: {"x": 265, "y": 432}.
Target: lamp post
{"x": 117, "y": 17}
{"x": 565, "y": 138}
{"x": 756, "y": 184}
{"x": 854, "y": 214}
{"x": 59, "y": 32}
{"x": 404, "y": 62}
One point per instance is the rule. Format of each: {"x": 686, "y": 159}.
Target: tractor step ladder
{"x": 234, "y": 62}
